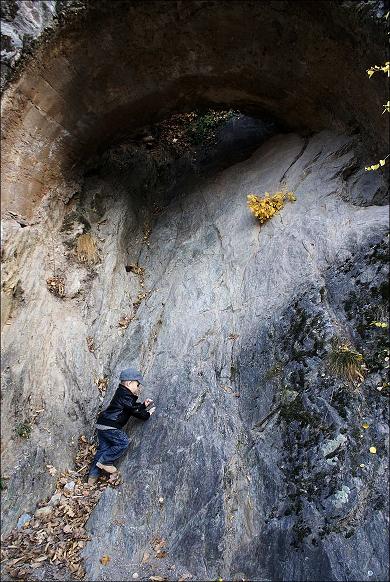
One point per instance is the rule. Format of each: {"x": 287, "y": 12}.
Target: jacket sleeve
{"x": 138, "y": 410}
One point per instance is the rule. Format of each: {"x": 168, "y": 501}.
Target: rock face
{"x": 256, "y": 447}
{"x": 238, "y": 310}
{"x": 263, "y": 461}
{"x": 21, "y": 24}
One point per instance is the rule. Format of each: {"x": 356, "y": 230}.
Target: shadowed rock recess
{"x": 144, "y": 126}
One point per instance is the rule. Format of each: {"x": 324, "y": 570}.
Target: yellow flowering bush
{"x": 379, "y": 324}
{"x": 264, "y": 208}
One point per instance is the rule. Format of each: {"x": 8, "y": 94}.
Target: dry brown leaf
{"x": 125, "y": 321}
{"x": 104, "y": 560}
{"x": 72, "y": 567}
{"x": 158, "y": 543}
{"x": 91, "y": 344}
{"x": 86, "y": 249}
{"x": 13, "y": 562}
{"x": 56, "y": 285}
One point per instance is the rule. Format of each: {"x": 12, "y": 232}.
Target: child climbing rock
{"x": 112, "y": 440}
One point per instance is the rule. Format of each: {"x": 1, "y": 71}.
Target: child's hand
{"x": 148, "y": 402}
{"x": 151, "y": 410}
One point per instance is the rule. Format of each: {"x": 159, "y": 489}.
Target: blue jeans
{"x": 112, "y": 444}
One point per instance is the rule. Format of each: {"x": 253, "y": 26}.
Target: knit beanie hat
{"x": 131, "y": 374}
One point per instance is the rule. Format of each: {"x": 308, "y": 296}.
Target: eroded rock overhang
{"x": 102, "y": 72}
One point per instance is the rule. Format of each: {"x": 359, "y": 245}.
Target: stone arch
{"x": 102, "y": 72}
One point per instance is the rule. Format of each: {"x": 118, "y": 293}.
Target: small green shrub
{"x": 24, "y": 429}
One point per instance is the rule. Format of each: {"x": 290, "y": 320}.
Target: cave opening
{"x": 184, "y": 147}
{"x": 76, "y": 95}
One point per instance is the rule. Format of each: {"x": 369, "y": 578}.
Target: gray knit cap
{"x": 131, "y": 374}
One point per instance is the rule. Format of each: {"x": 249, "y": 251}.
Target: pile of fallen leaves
{"x": 174, "y": 132}
{"x": 56, "y": 533}
{"x": 86, "y": 450}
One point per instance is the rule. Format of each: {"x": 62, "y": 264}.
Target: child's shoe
{"x": 107, "y": 468}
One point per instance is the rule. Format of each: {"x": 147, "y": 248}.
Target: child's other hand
{"x": 148, "y": 402}
{"x": 152, "y": 410}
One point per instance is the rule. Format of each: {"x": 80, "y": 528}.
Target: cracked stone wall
{"x": 256, "y": 448}
{"x": 219, "y": 320}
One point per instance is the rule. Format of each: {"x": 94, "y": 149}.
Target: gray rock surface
{"x": 257, "y": 463}
{"x": 236, "y": 328}
{"x": 236, "y": 497}
{"x": 23, "y": 519}
{"x": 22, "y": 21}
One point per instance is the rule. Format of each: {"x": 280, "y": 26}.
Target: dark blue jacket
{"x": 123, "y": 405}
